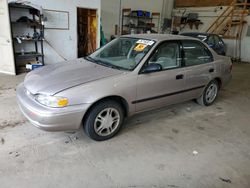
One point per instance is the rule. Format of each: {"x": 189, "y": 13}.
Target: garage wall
{"x": 110, "y": 10}
{"x": 207, "y": 15}
{"x": 245, "y": 44}
{"x": 65, "y": 41}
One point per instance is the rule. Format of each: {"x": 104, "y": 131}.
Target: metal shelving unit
{"x": 35, "y": 23}
{"x": 152, "y": 23}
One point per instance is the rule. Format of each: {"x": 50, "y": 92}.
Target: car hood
{"x": 52, "y": 79}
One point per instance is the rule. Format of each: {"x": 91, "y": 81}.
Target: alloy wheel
{"x": 211, "y": 93}
{"x": 107, "y": 121}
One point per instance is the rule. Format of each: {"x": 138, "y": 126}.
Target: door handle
{"x": 211, "y": 70}
{"x": 179, "y": 77}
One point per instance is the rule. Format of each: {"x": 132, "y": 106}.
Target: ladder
{"x": 231, "y": 21}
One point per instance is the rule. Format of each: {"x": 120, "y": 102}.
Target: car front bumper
{"x": 50, "y": 119}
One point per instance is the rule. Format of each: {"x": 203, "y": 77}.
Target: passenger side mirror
{"x": 152, "y": 67}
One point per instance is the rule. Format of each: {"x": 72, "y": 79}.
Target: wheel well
{"x": 219, "y": 81}
{"x": 118, "y": 99}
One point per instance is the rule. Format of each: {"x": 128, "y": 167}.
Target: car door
{"x": 163, "y": 87}
{"x": 199, "y": 67}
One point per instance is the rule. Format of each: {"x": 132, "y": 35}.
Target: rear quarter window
{"x": 195, "y": 53}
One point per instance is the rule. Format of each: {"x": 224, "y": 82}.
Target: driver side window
{"x": 167, "y": 55}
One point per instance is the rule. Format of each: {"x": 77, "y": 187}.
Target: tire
{"x": 104, "y": 120}
{"x": 205, "y": 99}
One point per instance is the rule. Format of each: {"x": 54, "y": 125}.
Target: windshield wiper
{"x": 89, "y": 59}
{"x": 103, "y": 63}
{"x": 94, "y": 60}
{"x": 112, "y": 66}
{"x": 106, "y": 64}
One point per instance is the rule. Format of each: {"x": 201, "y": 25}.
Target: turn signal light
{"x": 62, "y": 102}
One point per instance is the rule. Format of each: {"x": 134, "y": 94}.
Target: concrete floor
{"x": 154, "y": 149}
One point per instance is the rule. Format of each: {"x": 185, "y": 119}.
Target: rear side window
{"x": 195, "y": 53}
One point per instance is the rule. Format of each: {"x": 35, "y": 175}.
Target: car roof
{"x": 196, "y": 34}
{"x": 159, "y": 37}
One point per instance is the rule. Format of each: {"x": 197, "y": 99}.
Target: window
{"x": 167, "y": 55}
{"x": 122, "y": 53}
{"x": 217, "y": 40}
{"x": 195, "y": 53}
{"x": 210, "y": 40}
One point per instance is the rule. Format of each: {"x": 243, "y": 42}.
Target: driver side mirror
{"x": 152, "y": 67}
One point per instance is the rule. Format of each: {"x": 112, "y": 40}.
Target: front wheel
{"x": 210, "y": 94}
{"x": 104, "y": 120}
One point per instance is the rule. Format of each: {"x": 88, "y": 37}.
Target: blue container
{"x": 140, "y": 13}
{"x": 147, "y": 14}
{"x": 36, "y": 66}
{"x": 33, "y": 66}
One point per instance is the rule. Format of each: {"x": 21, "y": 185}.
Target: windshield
{"x": 122, "y": 53}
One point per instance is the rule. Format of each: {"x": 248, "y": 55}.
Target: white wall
{"x": 110, "y": 10}
{"x": 209, "y": 14}
{"x": 65, "y": 41}
{"x": 168, "y": 8}
{"x": 206, "y": 14}
{"x": 7, "y": 64}
{"x": 245, "y": 47}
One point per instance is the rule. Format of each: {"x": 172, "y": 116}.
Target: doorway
{"x": 86, "y": 31}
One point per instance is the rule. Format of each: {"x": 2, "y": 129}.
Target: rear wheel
{"x": 104, "y": 120}
{"x": 210, "y": 94}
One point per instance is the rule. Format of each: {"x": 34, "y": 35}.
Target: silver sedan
{"x": 129, "y": 75}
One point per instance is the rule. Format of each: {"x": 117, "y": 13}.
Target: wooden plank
{"x": 126, "y": 10}
{"x": 201, "y": 3}
{"x": 156, "y": 14}
{"x": 229, "y": 37}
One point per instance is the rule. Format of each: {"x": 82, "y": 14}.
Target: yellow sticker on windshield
{"x": 140, "y": 47}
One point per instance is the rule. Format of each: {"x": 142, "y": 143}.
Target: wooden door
{"x": 87, "y": 31}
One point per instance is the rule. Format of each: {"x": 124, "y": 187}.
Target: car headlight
{"x": 51, "y": 101}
